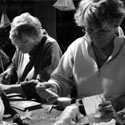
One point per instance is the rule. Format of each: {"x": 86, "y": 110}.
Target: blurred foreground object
{"x": 68, "y": 116}
{"x": 1, "y": 110}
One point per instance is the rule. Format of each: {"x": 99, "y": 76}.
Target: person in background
{"x": 94, "y": 63}
{"x": 37, "y": 54}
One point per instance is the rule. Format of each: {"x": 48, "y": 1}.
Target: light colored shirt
{"x": 78, "y": 67}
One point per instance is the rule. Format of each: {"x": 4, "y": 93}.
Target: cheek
{"x": 103, "y": 36}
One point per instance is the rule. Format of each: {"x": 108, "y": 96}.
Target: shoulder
{"x": 75, "y": 47}
{"x": 50, "y": 39}
{"x": 79, "y": 42}
{"x": 52, "y": 44}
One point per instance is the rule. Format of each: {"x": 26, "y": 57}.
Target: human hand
{"x": 107, "y": 111}
{"x": 70, "y": 116}
{"x": 47, "y": 91}
{"x": 4, "y": 87}
{"x": 120, "y": 119}
{"x": 5, "y": 77}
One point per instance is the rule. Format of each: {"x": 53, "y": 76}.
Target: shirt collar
{"x": 118, "y": 42}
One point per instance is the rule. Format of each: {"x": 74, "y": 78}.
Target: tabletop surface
{"x": 42, "y": 117}
{"x": 38, "y": 116}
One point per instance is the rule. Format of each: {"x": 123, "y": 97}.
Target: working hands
{"x": 108, "y": 113}
{"x": 47, "y": 91}
{"x": 5, "y": 80}
{"x": 70, "y": 116}
{"x": 120, "y": 119}
{"x": 5, "y": 77}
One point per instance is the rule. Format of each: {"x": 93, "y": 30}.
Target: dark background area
{"x": 59, "y": 24}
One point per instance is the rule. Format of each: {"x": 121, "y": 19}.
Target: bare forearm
{"x": 15, "y": 88}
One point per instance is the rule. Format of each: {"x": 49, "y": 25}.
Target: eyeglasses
{"x": 99, "y": 31}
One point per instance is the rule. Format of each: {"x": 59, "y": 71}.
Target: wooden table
{"x": 40, "y": 116}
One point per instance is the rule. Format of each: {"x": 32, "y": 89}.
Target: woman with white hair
{"x": 37, "y": 54}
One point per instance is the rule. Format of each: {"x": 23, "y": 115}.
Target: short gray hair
{"x": 96, "y": 12}
{"x": 25, "y": 25}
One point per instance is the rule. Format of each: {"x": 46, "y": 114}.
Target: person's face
{"x": 102, "y": 36}
{"x": 25, "y": 44}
